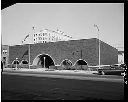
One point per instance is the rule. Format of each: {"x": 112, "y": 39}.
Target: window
{"x": 4, "y": 51}
{"x": 39, "y": 38}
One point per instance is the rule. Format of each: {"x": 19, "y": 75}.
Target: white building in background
{"x": 120, "y": 57}
{"x": 47, "y": 35}
{"x": 44, "y": 36}
{"x": 120, "y": 48}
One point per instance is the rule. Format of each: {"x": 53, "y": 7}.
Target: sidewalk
{"x": 46, "y": 70}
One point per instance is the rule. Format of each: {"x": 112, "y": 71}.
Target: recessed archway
{"x": 43, "y": 60}
{"x": 80, "y": 62}
{"x": 66, "y": 62}
{"x": 24, "y": 62}
{"x": 15, "y": 62}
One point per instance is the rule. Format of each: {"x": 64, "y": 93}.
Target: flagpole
{"x": 29, "y": 55}
{"x": 99, "y": 48}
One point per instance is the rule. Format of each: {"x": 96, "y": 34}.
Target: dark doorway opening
{"x": 44, "y": 60}
{"x": 81, "y": 62}
{"x": 67, "y": 62}
{"x": 24, "y": 62}
{"x": 16, "y": 62}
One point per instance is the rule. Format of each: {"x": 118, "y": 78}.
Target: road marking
{"x": 66, "y": 77}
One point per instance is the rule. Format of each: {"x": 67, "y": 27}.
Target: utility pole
{"x": 33, "y": 29}
{"x": 99, "y": 43}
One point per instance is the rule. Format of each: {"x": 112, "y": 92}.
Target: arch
{"x": 80, "y": 62}
{"x": 44, "y": 60}
{"x": 15, "y": 61}
{"x": 66, "y": 61}
{"x": 24, "y": 62}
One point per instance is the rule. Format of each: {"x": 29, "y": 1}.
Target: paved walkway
{"x": 46, "y": 70}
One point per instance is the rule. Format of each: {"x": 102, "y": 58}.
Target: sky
{"x": 74, "y": 19}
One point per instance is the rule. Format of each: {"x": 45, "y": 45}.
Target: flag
{"x": 96, "y": 26}
{"x": 26, "y": 53}
{"x": 22, "y": 41}
{"x": 26, "y": 37}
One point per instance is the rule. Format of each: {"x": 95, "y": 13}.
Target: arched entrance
{"x": 67, "y": 64}
{"x": 15, "y": 62}
{"x": 81, "y": 65}
{"x": 81, "y": 62}
{"x": 44, "y": 60}
{"x": 24, "y": 62}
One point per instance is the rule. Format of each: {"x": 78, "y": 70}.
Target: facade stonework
{"x": 86, "y": 49}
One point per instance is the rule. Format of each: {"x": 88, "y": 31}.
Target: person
{"x": 1, "y": 66}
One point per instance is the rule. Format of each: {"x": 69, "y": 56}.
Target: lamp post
{"x": 44, "y": 62}
{"x": 16, "y": 63}
{"x": 99, "y": 43}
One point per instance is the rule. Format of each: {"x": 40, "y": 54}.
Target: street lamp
{"x": 44, "y": 62}
{"x": 99, "y": 43}
{"x": 16, "y": 63}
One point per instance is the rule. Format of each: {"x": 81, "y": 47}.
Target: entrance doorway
{"x": 44, "y": 61}
{"x": 81, "y": 62}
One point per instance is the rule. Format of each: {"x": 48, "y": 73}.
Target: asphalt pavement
{"x": 25, "y": 87}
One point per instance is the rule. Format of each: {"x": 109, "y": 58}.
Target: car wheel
{"x": 102, "y": 73}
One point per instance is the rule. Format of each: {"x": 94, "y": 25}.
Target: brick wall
{"x": 67, "y": 50}
{"x": 109, "y": 54}
{"x": 17, "y": 52}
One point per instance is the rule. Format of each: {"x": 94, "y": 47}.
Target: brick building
{"x": 57, "y": 53}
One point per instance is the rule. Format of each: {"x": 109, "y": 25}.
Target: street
{"x": 30, "y": 87}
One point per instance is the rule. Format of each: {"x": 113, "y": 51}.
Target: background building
{"x": 5, "y": 54}
{"x": 120, "y": 57}
{"x": 46, "y": 35}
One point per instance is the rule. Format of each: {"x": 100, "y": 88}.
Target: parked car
{"x": 116, "y": 69}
